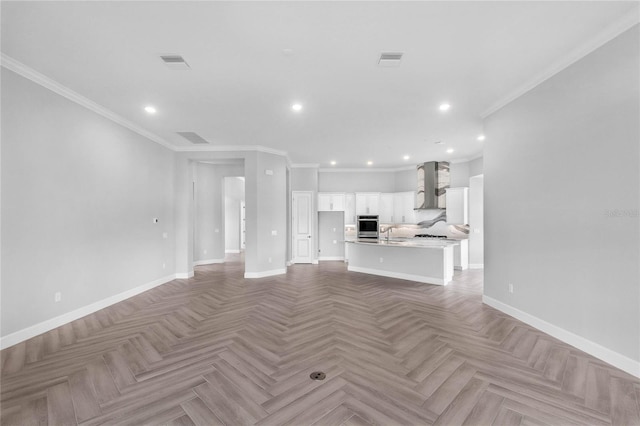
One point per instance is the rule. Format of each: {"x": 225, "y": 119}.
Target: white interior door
{"x": 302, "y": 226}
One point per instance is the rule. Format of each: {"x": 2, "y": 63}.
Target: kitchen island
{"x": 428, "y": 262}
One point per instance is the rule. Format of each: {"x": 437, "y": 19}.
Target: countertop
{"x": 407, "y": 242}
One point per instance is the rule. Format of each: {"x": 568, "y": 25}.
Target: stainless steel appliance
{"x": 368, "y": 226}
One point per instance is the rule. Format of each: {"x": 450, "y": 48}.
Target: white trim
{"x": 607, "y": 355}
{"x": 400, "y": 275}
{"x": 227, "y": 148}
{"x": 314, "y": 262}
{"x": 476, "y": 266}
{"x": 289, "y": 263}
{"x": 185, "y": 275}
{"x": 321, "y": 258}
{"x": 265, "y": 273}
{"x": 304, "y": 166}
{"x": 369, "y": 169}
{"x": 608, "y": 34}
{"x": 207, "y": 262}
{"x": 50, "y": 324}
{"x": 232, "y": 251}
{"x": 29, "y": 73}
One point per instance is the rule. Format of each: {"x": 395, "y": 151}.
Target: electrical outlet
{"x": 381, "y": 260}
{"x": 269, "y": 260}
{"x": 334, "y": 229}
{"x": 205, "y": 251}
{"x": 164, "y": 265}
{"x": 510, "y": 288}
{"x": 274, "y": 232}
{"x": 57, "y": 297}
{"x": 335, "y": 241}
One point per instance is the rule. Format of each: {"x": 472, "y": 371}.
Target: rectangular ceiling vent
{"x": 390, "y": 59}
{"x": 193, "y": 137}
{"x": 175, "y": 62}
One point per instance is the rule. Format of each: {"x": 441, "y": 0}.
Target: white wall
{"x": 358, "y": 181}
{"x": 476, "y": 221}
{"x": 79, "y": 194}
{"x": 233, "y": 197}
{"x": 330, "y": 229}
{"x": 558, "y": 161}
{"x": 459, "y": 174}
{"x": 272, "y": 214}
{"x": 208, "y": 214}
{"x": 476, "y": 167}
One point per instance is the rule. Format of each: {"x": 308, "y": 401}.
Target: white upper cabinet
{"x": 367, "y": 203}
{"x": 403, "y": 207}
{"x": 387, "y": 208}
{"x": 331, "y": 202}
{"x": 457, "y": 206}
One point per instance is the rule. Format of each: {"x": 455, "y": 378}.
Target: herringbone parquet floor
{"x": 219, "y": 349}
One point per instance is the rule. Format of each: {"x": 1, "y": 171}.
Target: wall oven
{"x": 368, "y": 226}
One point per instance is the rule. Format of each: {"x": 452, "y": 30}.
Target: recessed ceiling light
{"x": 406, "y": 157}
{"x": 445, "y": 107}
{"x": 149, "y": 109}
{"x": 333, "y": 163}
{"x": 369, "y": 163}
{"x": 450, "y": 150}
{"x": 481, "y": 138}
{"x": 296, "y": 107}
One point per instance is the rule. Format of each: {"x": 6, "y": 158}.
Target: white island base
{"x": 431, "y": 264}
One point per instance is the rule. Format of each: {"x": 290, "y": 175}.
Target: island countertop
{"x": 407, "y": 242}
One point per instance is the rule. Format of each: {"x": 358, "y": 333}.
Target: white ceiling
{"x": 241, "y": 85}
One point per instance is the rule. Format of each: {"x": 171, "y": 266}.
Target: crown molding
{"x": 367, "y": 170}
{"x": 231, "y": 148}
{"x": 29, "y": 73}
{"x": 305, "y": 166}
{"x": 609, "y": 33}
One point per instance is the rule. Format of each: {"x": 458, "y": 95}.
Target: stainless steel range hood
{"x": 433, "y": 181}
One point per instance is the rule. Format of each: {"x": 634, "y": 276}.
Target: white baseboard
{"x": 321, "y": 258}
{"x": 607, "y": 355}
{"x": 460, "y": 268}
{"x": 207, "y": 262}
{"x": 400, "y": 275}
{"x": 476, "y": 266}
{"x": 314, "y": 262}
{"x": 231, "y": 251}
{"x": 185, "y": 275}
{"x": 50, "y": 324}
{"x": 263, "y": 274}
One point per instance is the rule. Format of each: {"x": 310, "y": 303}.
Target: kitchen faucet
{"x": 388, "y": 231}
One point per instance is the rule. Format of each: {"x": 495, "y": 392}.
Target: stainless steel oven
{"x": 368, "y": 226}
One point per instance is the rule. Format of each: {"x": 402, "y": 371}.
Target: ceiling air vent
{"x": 390, "y": 59}
{"x": 175, "y": 62}
{"x": 193, "y": 137}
